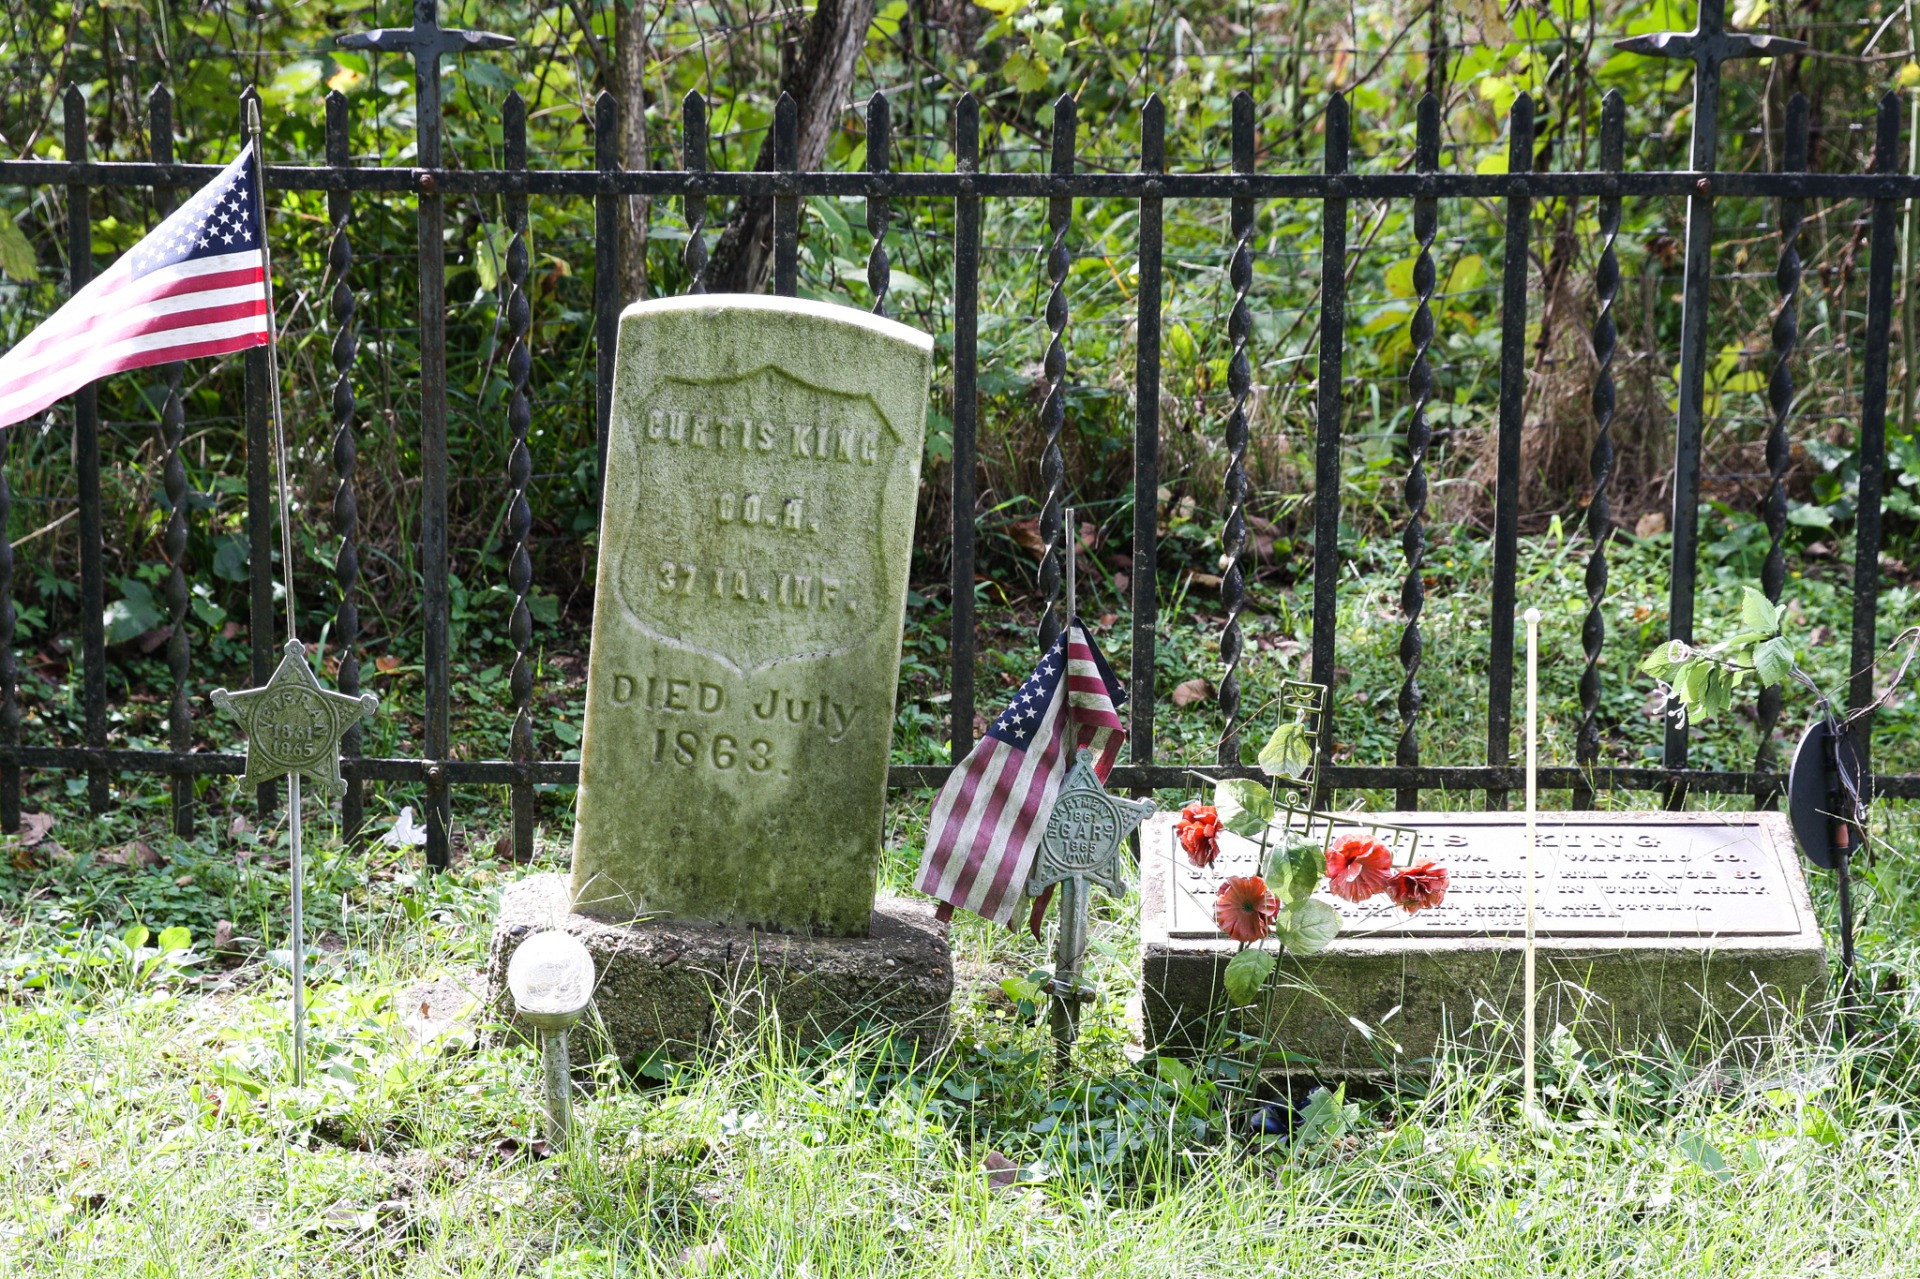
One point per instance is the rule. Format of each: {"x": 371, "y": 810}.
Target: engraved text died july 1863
{"x": 756, "y": 529}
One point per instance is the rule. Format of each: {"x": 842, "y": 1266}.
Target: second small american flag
{"x": 989, "y": 817}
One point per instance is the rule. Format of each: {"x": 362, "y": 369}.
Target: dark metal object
{"x": 1413, "y": 540}
{"x": 879, "y": 184}
{"x": 1606, "y": 287}
{"x": 1786, "y": 335}
{"x": 426, "y": 42}
{"x": 86, "y": 462}
{"x": 258, "y": 398}
{"x": 1513, "y": 405}
{"x": 966, "y": 412}
{"x": 1827, "y": 770}
{"x": 1145, "y": 569}
{"x": 519, "y": 475}
{"x": 1053, "y": 413}
{"x": 1706, "y": 46}
{"x": 786, "y": 205}
{"x": 1326, "y": 418}
{"x": 587, "y": 183}
{"x": 693, "y": 158}
{"x": 879, "y": 161}
{"x": 173, "y": 478}
{"x": 1872, "y": 439}
{"x": 346, "y": 453}
{"x": 1826, "y": 804}
{"x": 1079, "y": 847}
{"x": 1233, "y": 534}
{"x": 608, "y": 241}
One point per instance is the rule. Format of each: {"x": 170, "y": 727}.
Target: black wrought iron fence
{"x": 1244, "y": 188}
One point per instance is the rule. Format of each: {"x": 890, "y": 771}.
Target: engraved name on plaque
{"x": 1603, "y": 874}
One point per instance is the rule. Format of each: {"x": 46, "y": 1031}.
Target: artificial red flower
{"x": 1244, "y": 909}
{"x": 1418, "y": 887}
{"x": 1358, "y": 866}
{"x": 1199, "y": 831}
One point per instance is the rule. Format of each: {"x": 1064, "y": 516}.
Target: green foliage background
{"x": 1017, "y": 55}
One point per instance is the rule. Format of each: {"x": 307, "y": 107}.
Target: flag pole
{"x": 297, "y": 939}
{"x": 1070, "y": 936}
{"x": 1533, "y": 806}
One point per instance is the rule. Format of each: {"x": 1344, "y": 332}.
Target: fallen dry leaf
{"x": 1027, "y": 534}
{"x": 701, "y": 1258}
{"x": 1206, "y": 581}
{"x": 1002, "y": 1172}
{"x": 33, "y": 828}
{"x": 1191, "y": 691}
{"x": 1650, "y": 524}
{"x": 135, "y": 855}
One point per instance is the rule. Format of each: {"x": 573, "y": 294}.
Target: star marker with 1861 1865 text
{"x": 293, "y": 724}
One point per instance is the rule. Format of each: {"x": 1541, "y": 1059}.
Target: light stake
{"x": 1533, "y": 805}
{"x": 551, "y": 979}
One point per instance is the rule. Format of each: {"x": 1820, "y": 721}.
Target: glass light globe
{"x": 551, "y": 978}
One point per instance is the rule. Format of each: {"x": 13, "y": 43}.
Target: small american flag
{"x": 987, "y": 822}
{"x": 196, "y": 285}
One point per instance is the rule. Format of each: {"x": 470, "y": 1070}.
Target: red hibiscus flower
{"x": 1358, "y": 866}
{"x": 1199, "y": 831}
{"x": 1245, "y": 910}
{"x": 1418, "y": 887}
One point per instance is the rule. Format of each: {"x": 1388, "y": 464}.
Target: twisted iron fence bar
{"x": 86, "y": 461}
{"x": 1145, "y": 567}
{"x": 967, "y": 186}
{"x": 879, "y": 214}
{"x": 1413, "y": 541}
{"x": 1053, "y": 413}
{"x": 1606, "y": 287}
{"x": 519, "y": 362}
{"x": 1326, "y": 424}
{"x": 1872, "y": 439}
{"x": 1506, "y": 488}
{"x": 1233, "y": 533}
{"x": 173, "y": 472}
{"x": 346, "y": 451}
{"x": 966, "y": 411}
{"x": 1786, "y": 336}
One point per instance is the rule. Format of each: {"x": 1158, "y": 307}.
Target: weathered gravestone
{"x": 756, "y": 528}
{"x": 1690, "y": 929}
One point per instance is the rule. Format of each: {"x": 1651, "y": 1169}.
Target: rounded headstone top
{"x": 551, "y": 978}
{"x": 776, "y": 308}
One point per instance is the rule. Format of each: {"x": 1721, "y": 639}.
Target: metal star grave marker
{"x": 293, "y": 725}
{"x": 1081, "y": 845}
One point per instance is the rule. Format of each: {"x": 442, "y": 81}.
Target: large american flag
{"x": 196, "y": 285}
{"x": 987, "y": 822}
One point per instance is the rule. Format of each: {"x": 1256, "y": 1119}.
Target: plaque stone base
{"x": 678, "y": 986}
{"x": 1689, "y": 933}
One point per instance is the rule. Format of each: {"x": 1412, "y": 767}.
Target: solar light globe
{"x": 551, "y": 978}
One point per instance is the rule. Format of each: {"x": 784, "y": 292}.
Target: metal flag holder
{"x": 293, "y": 725}
{"x": 1085, "y": 830}
{"x": 1298, "y": 779}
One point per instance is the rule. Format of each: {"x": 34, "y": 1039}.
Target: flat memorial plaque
{"x": 1597, "y": 875}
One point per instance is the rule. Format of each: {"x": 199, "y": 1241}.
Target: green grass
{"x": 147, "y": 1128}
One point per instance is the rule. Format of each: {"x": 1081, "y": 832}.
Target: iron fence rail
{"x": 1243, "y": 188}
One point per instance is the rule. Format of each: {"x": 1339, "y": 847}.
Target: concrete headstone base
{"x": 1370, "y": 1007}
{"x": 678, "y": 985}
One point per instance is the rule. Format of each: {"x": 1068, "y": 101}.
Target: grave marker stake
{"x": 1533, "y": 832}
{"x": 292, "y": 724}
